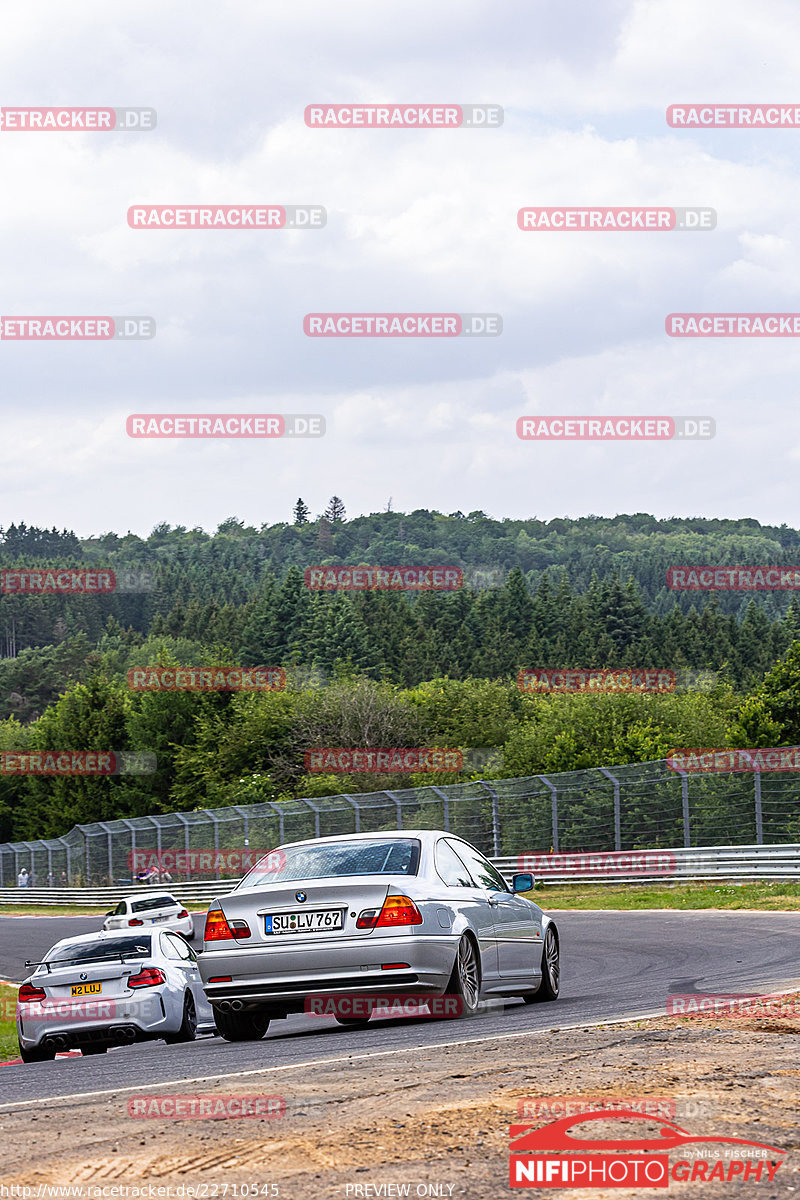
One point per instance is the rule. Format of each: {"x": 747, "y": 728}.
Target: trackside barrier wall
{"x": 742, "y": 863}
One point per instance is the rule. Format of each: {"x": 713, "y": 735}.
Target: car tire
{"x": 551, "y": 971}
{"x": 36, "y": 1054}
{"x": 353, "y": 1022}
{"x": 245, "y": 1026}
{"x": 188, "y": 1029}
{"x": 93, "y": 1050}
{"x": 189, "y": 936}
{"x": 465, "y": 982}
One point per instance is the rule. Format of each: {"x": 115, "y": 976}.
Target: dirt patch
{"x": 437, "y": 1116}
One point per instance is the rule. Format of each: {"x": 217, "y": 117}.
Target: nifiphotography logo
{"x": 647, "y": 1153}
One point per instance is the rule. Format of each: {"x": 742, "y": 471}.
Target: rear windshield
{"x": 400, "y": 856}
{"x": 156, "y": 902}
{"x": 131, "y": 947}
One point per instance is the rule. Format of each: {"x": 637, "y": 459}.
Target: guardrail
{"x": 669, "y": 866}
{"x": 676, "y": 865}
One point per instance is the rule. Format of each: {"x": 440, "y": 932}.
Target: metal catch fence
{"x": 632, "y": 807}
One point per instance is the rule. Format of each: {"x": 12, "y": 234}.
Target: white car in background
{"x": 150, "y": 908}
{"x": 99, "y": 990}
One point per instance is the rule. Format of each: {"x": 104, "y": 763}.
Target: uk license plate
{"x": 86, "y": 989}
{"x": 322, "y": 920}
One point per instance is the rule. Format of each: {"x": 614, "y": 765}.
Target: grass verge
{"x": 770, "y": 897}
{"x": 9, "y": 1047}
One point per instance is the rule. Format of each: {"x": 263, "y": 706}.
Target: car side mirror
{"x": 110, "y": 914}
{"x": 522, "y": 883}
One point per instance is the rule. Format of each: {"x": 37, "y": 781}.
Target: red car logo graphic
{"x": 556, "y": 1136}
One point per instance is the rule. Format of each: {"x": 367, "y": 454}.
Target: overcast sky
{"x": 418, "y": 221}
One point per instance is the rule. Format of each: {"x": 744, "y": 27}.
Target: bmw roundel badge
{"x": 301, "y": 896}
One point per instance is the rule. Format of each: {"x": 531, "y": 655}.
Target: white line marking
{"x": 323, "y": 1062}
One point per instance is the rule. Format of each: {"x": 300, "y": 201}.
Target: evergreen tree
{"x": 335, "y": 510}
{"x": 300, "y": 513}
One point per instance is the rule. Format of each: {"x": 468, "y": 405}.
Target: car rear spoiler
{"x": 57, "y": 961}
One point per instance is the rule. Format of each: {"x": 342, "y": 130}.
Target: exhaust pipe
{"x": 123, "y": 1033}
{"x": 223, "y": 1005}
{"x": 59, "y": 1041}
{"x": 237, "y": 1005}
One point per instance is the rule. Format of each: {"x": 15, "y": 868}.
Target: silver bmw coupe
{"x": 416, "y": 912}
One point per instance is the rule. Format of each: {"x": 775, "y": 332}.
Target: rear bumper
{"x": 72, "y": 1024}
{"x": 282, "y": 976}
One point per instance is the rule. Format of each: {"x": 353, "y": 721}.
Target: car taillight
{"x": 149, "y": 977}
{"x": 219, "y": 930}
{"x": 183, "y": 913}
{"x": 135, "y": 921}
{"x": 31, "y": 995}
{"x": 397, "y": 910}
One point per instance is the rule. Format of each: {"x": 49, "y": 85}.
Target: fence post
{"x": 554, "y": 809}
{"x": 276, "y": 808}
{"x": 110, "y": 852}
{"x": 495, "y": 817}
{"x": 185, "y": 824}
{"x": 445, "y": 806}
{"x": 617, "y": 813}
{"x": 86, "y": 876}
{"x": 69, "y": 868}
{"x": 687, "y": 839}
{"x": 130, "y": 826}
{"x": 759, "y": 813}
{"x": 398, "y": 805}
{"x": 216, "y": 844}
{"x": 357, "y": 808}
{"x": 315, "y": 810}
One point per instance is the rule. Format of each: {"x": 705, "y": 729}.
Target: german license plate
{"x": 86, "y": 989}
{"x": 320, "y": 921}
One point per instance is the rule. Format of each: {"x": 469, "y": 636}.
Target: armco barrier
{"x": 679, "y": 865}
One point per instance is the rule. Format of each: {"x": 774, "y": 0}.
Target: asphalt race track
{"x": 614, "y": 965}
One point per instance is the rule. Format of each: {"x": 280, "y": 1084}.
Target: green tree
{"x": 300, "y": 513}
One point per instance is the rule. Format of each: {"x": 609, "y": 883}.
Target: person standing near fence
{"x": 22, "y": 878}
